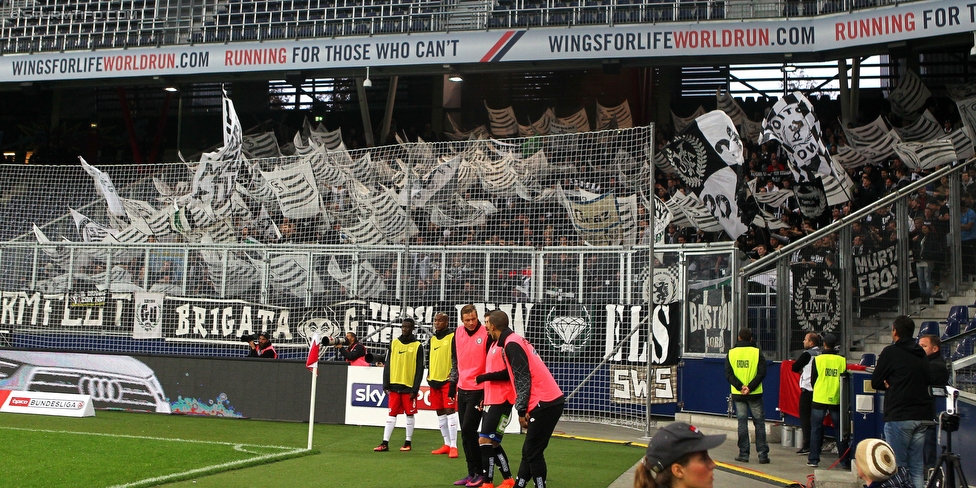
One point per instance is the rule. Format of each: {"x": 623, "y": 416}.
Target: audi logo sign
{"x": 100, "y": 389}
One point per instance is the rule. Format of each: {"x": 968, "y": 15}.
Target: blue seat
{"x": 952, "y": 329}
{"x": 966, "y": 347}
{"x": 868, "y": 359}
{"x": 958, "y": 313}
{"x": 928, "y": 328}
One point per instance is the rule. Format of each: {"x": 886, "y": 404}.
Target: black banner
{"x": 710, "y": 320}
{"x": 876, "y": 272}
{"x": 816, "y": 302}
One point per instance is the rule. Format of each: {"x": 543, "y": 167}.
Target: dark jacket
{"x": 756, "y": 381}
{"x": 938, "y": 372}
{"x": 904, "y": 367}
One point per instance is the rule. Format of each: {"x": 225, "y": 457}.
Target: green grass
{"x": 130, "y": 449}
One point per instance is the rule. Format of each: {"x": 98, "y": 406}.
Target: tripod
{"x": 948, "y": 472}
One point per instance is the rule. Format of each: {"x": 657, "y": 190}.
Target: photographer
{"x": 353, "y": 351}
{"x": 261, "y": 346}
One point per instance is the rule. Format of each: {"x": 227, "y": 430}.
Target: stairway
{"x": 872, "y": 334}
{"x": 467, "y": 14}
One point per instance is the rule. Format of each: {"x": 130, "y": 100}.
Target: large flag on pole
{"x": 708, "y": 158}
{"x": 794, "y": 124}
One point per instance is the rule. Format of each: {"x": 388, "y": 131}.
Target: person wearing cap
{"x": 262, "y": 348}
{"x": 677, "y": 456}
{"x": 825, "y": 376}
{"x": 875, "y": 463}
{"x": 745, "y": 369}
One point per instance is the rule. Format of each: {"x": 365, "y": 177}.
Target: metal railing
{"x": 133, "y": 23}
{"x": 856, "y": 287}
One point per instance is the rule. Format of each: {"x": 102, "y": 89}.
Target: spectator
{"x": 745, "y": 369}
{"x": 902, "y": 373}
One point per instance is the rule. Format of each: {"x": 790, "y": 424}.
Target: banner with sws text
{"x": 903, "y": 22}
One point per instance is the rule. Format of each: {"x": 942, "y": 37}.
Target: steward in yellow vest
{"x": 745, "y": 369}
{"x": 825, "y": 376}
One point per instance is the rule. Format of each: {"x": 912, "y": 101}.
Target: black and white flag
{"x": 866, "y": 134}
{"x": 925, "y": 128}
{"x": 618, "y": 117}
{"x": 708, "y": 159}
{"x": 105, "y": 188}
{"x": 909, "y": 97}
{"x": 261, "y": 146}
{"x": 794, "y": 124}
{"x": 927, "y": 155}
{"x": 294, "y": 185}
{"x": 370, "y": 283}
{"x": 90, "y": 230}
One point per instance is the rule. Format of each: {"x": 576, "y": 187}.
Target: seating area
{"x": 49, "y": 25}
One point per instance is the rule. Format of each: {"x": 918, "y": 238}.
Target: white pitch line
{"x": 151, "y": 438}
{"x": 204, "y": 470}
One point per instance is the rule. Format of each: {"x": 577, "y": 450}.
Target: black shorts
{"x": 495, "y": 420}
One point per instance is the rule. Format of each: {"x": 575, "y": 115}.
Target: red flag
{"x": 313, "y": 355}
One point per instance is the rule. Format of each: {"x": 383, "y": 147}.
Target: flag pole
{"x": 311, "y": 404}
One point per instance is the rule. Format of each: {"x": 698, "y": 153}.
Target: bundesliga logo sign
{"x": 47, "y": 403}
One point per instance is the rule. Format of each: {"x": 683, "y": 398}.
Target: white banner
{"x": 732, "y": 37}
{"x": 366, "y": 401}
{"x": 40, "y": 403}
{"x": 148, "y": 316}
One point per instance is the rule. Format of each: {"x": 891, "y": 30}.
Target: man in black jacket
{"x": 938, "y": 376}
{"x": 902, "y": 372}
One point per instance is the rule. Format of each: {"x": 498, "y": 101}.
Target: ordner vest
{"x": 440, "y": 358}
{"x": 470, "y": 357}
{"x": 403, "y": 362}
{"x": 544, "y": 387}
{"x": 826, "y": 390}
{"x": 745, "y": 364}
{"x": 497, "y": 392}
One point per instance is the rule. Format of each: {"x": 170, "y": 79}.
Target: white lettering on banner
{"x": 713, "y": 319}
{"x": 15, "y": 305}
{"x": 225, "y": 322}
{"x": 630, "y": 384}
{"x": 876, "y": 272}
{"x": 636, "y": 348}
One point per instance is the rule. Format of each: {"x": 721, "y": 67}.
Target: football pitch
{"x": 136, "y": 449}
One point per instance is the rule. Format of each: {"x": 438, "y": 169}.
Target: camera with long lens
{"x": 328, "y": 341}
{"x": 249, "y": 338}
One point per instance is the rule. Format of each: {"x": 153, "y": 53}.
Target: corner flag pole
{"x": 311, "y": 404}
{"x": 312, "y": 363}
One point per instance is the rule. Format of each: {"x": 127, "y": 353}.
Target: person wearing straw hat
{"x": 677, "y": 457}
{"x": 875, "y": 463}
